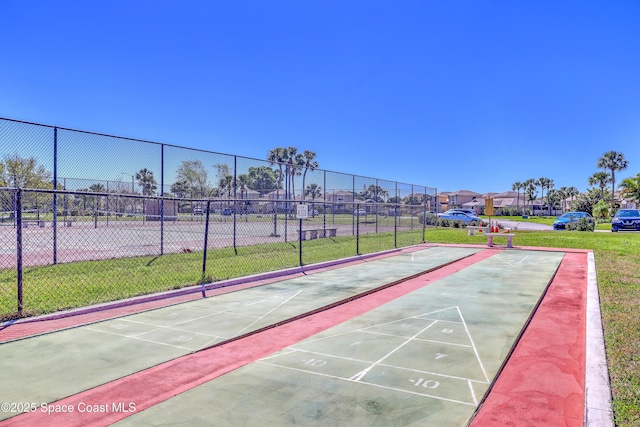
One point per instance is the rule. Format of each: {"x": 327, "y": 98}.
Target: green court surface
{"x": 50, "y": 367}
{"x": 426, "y": 358}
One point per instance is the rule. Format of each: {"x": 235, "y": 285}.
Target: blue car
{"x": 626, "y": 219}
{"x": 462, "y": 216}
{"x": 561, "y": 222}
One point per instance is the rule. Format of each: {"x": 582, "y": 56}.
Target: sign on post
{"x": 488, "y": 206}
{"x": 303, "y": 211}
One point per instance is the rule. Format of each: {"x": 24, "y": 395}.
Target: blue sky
{"x": 449, "y": 94}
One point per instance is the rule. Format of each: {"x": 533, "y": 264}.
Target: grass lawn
{"x": 617, "y": 258}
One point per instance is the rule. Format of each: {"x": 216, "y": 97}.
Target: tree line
{"x": 597, "y": 200}
{"x": 287, "y": 165}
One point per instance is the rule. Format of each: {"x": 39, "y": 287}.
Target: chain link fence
{"x": 129, "y": 217}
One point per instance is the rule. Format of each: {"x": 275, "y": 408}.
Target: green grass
{"x": 617, "y": 255}
{"x": 53, "y": 288}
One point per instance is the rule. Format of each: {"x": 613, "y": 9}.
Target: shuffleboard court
{"x": 426, "y": 358}
{"x": 50, "y": 367}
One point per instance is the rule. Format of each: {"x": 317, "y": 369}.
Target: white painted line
{"x": 418, "y": 371}
{"x": 316, "y": 353}
{"x": 421, "y": 257}
{"x": 350, "y": 359}
{"x": 197, "y": 333}
{"x": 268, "y": 312}
{"x": 598, "y": 411}
{"x": 520, "y": 262}
{"x": 275, "y": 356}
{"x": 419, "y": 339}
{"x": 503, "y": 260}
{"x": 364, "y": 372}
{"x": 141, "y": 339}
{"x": 473, "y": 345}
{"x": 371, "y": 384}
{"x": 473, "y": 394}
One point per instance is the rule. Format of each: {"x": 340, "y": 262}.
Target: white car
{"x": 462, "y": 216}
{"x": 467, "y": 211}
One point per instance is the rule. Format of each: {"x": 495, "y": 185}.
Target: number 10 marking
{"x": 425, "y": 383}
{"x": 315, "y": 362}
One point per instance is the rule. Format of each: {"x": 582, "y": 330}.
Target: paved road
{"x": 524, "y": 225}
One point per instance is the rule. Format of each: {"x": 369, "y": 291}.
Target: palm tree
{"x": 542, "y": 182}
{"x": 530, "y": 187}
{"x": 549, "y": 185}
{"x": 309, "y": 164}
{"x": 295, "y": 164}
{"x": 536, "y": 183}
{"x": 314, "y": 191}
{"x": 146, "y": 181}
{"x": 631, "y": 188}
{"x": 278, "y": 156}
{"x": 226, "y": 185}
{"x": 517, "y": 186}
{"x": 571, "y": 192}
{"x": 613, "y": 161}
{"x": 243, "y": 181}
{"x": 553, "y": 198}
{"x": 601, "y": 179}
{"x": 563, "y": 195}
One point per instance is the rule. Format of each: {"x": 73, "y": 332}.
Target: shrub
{"x": 583, "y": 224}
{"x": 431, "y": 218}
{"x": 511, "y": 211}
{"x": 601, "y": 210}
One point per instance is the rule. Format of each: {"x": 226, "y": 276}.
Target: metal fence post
{"x": 235, "y": 204}
{"x": 396, "y": 209}
{"x": 55, "y": 195}
{"x": 357, "y": 219}
{"x": 424, "y": 221}
{"x": 206, "y": 241}
{"x": 300, "y": 239}
{"x": 286, "y": 202}
{"x": 162, "y": 200}
{"x": 324, "y": 202}
{"x": 19, "y": 247}
{"x": 377, "y": 204}
{"x": 354, "y": 218}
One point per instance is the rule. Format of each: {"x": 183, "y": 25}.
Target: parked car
{"x": 360, "y": 212}
{"x": 197, "y": 210}
{"x": 626, "y": 219}
{"x": 569, "y": 217}
{"x": 462, "y": 216}
{"x": 393, "y": 212}
{"x": 467, "y": 211}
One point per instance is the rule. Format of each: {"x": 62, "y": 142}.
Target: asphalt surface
{"x": 524, "y": 225}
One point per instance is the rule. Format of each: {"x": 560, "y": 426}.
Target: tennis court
{"x": 416, "y": 338}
